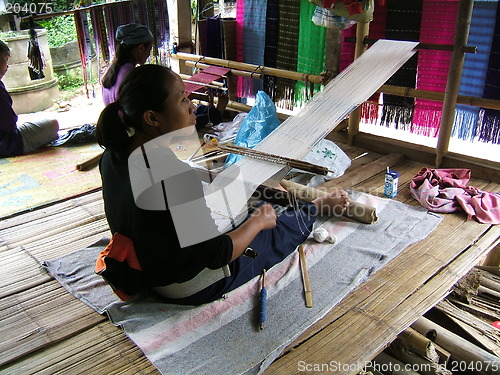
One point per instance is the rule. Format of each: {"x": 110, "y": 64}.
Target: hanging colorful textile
{"x": 489, "y": 119}
{"x": 229, "y": 31}
{"x": 403, "y": 23}
{"x": 84, "y": 46}
{"x": 100, "y": 38}
{"x": 438, "y": 26}
{"x": 311, "y": 52}
{"x": 229, "y": 37}
{"x": 271, "y": 48}
{"x": 240, "y": 21}
{"x": 286, "y": 55}
{"x": 35, "y": 56}
{"x": 254, "y": 39}
{"x": 370, "y": 108}
{"x": 117, "y": 14}
{"x": 347, "y": 48}
{"x": 211, "y": 38}
{"x": 475, "y": 67}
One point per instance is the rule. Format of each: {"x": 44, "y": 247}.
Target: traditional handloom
{"x": 296, "y": 136}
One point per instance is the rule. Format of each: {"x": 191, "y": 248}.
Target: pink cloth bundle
{"x": 446, "y": 190}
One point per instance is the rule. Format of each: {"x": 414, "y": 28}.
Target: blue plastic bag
{"x": 260, "y": 121}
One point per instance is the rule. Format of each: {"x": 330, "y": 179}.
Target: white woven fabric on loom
{"x": 227, "y": 196}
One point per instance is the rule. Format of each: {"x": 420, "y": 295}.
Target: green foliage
{"x": 60, "y": 30}
{"x": 68, "y": 83}
{"x": 8, "y": 34}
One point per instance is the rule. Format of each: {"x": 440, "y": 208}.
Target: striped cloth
{"x": 475, "y": 67}
{"x": 403, "y": 23}
{"x": 370, "y": 108}
{"x": 489, "y": 125}
{"x": 286, "y": 55}
{"x": 271, "y": 48}
{"x": 254, "y": 40}
{"x": 438, "y": 27}
{"x": 211, "y": 37}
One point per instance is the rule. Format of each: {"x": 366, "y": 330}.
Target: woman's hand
{"x": 263, "y": 217}
{"x": 266, "y": 216}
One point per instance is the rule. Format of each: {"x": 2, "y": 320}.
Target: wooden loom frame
{"x": 439, "y": 156}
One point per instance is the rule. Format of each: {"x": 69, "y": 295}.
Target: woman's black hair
{"x": 123, "y": 55}
{"x": 144, "y": 88}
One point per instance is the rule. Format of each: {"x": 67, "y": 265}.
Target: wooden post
{"x": 179, "y": 18}
{"x": 362, "y": 30}
{"x": 454, "y": 76}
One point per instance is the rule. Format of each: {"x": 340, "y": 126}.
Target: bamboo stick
{"x": 384, "y": 360}
{"x": 463, "y": 352}
{"x": 430, "y": 46}
{"x": 419, "y": 344}
{"x": 305, "y": 277}
{"x": 89, "y": 164}
{"x": 214, "y": 84}
{"x": 439, "y": 96}
{"x": 249, "y": 67}
{"x": 453, "y": 82}
{"x": 400, "y": 351}
{"x": 362, "y": 30}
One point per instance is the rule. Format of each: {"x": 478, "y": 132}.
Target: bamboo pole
{"x": 454, "y": 75}
{"x": 213, "y": 84}
{"x": 463, "y": 352}
{"x": 439, "y": 96}
{"x": 248, "y": 67}
{"x": 362, "y": 30}
{"x": 429, "y": 46}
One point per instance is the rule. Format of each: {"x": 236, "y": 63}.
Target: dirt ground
{"x": 73, "y": 111}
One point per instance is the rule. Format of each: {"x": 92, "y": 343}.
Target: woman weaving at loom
{"x": 152, "y": 108}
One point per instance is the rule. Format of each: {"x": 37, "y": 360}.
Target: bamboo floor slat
{"x": 40, "y": 316}
{"x": 47, "y": 331}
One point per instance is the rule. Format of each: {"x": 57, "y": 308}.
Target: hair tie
{"x": 121, "y": 114}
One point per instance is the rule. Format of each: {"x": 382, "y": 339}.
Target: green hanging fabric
{"x": 311, "y": 51}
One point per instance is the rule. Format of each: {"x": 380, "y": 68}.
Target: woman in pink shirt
{"x": 134, "y": 48}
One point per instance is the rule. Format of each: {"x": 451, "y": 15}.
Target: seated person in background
{"x": 135, "y": 43}
{"x": 151, "y": 109}
{"x": 210, "y": 115}
{"x": 29, "y": 136}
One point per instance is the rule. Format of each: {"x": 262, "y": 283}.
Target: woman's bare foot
{"x": 333, "y": 203}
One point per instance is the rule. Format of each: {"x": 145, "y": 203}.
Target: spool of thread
{"x": 263, "y": 301}
{"x": 322, "y": 235}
